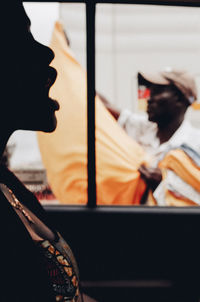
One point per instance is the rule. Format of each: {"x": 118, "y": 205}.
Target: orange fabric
{"x": 183, "y": 166}
{"x": 196, "y": 106}
{"x": 175, "y": 201}
{"x": 64, "y": 152}
{"x": 151, "y": 200}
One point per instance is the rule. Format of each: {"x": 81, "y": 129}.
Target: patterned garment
{"x": 61, "y": 268}
{"x": 58, "y": 258}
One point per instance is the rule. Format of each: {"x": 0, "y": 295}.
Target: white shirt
{"x": 175, "y": 184}
{"x": 144, "y": 132}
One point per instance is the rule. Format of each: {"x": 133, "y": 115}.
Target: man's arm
{"x": 152, "y": 176}
{"x": 110, "y": 107}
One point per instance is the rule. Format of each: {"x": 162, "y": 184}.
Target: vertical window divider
{"x": 91, "y": 146}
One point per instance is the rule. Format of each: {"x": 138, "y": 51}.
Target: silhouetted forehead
{"x": 14, "y": 29}
{"x": 15, "y": 15}
{"x": 21, "y": 16}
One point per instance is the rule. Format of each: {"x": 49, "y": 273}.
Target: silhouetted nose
{"x": 51, "y": 54}
{"x": 45, "y": 53}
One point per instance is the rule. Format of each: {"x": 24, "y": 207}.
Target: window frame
{"x": 91, "y": 146}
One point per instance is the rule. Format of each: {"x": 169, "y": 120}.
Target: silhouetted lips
{"x": 52, "y": 74}
{"x": 55, "y": 104}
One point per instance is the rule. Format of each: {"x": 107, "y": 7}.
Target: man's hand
{"x": 152, "y": 176}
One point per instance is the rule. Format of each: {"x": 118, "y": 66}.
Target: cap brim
{"x": 155, "y": 78}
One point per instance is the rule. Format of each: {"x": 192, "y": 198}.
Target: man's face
{"x": 30, "y": 79}
{"x": 162, "y": 104}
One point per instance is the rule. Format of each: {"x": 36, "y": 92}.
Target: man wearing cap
{"x": 164, "y": 127}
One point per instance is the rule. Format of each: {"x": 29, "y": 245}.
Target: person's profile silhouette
{"x": 31, "y": 249}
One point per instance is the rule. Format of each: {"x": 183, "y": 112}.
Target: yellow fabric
{"x": 64, "y": 152}
{"x": 150, "y": 199}
{"x": 185, "y": 168}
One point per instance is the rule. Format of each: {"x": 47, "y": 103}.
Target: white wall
{"x": 130, "y": 38}
{"x": 152, "y": 38}
{"x": 43, "y": 17}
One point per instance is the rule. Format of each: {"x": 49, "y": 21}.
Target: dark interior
{"x": 134, "y": 253}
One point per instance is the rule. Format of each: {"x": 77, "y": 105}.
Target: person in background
{"x": 163, "y": 127}
{"x": 37, "y": 264}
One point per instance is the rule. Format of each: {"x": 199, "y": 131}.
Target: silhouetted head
{"x": 27, "y": 76}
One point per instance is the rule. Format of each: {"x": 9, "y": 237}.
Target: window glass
{"x": 134, "y": 43}
{"x": 147, "y": 145}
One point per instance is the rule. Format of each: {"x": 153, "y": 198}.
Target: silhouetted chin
{"x": 48, "y": 120}
{"x": 51, "y": 126}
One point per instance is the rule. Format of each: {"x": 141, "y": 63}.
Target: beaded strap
{"x": 63, "y": 278}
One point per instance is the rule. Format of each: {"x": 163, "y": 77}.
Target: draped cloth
{"x": 64, "y": 152}
{"x": 186, "y": 174}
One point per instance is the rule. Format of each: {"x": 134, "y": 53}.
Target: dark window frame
{"x": 90, "y": 35}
